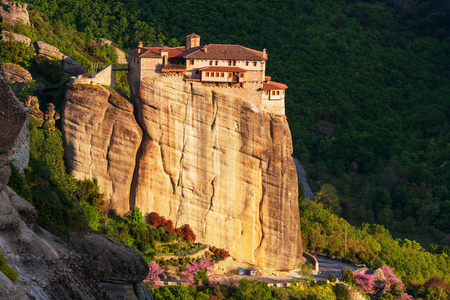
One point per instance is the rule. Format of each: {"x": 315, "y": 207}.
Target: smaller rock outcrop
{"x": 121, "y": 58}
{"x": 17, "y": 77}
{"x": 68, "y": 64}
{"x": 12, "y": 117}
{"x": 119, "y": 268}
{"x": 15, "y": 37}
{"x": 101, "y": 139}
{"x": 51, "y": 115}
{"x": 32, "y": 102}
{"x": 14, "y": 13}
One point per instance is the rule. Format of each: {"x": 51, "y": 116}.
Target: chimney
{"x": 205, "y": 49}
{"x": 140, "y": 46}
{"x": 265, "y": 53}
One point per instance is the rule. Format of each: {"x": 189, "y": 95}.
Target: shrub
{"x": 158, "y": 221}
{"x": 6, "y": 269}
{"x": 347, "y": 276}
{"x": 332, "y": 277}
{"x": 221, "y": 253}
{"x": 153, "y": 279}
{"x": 186, "y": 233}
{"x": 341, "y": 292}
{"x": 199, "y": 273}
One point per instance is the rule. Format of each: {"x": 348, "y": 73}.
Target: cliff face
{"x": 206, "y": 159}
{"x": 101, "y": 139}
{"x": 214, "y": 162}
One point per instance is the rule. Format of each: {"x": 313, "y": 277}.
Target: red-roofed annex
{"x": 215, "y": 65}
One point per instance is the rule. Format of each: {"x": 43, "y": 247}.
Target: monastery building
{"x": 231, "y": 69}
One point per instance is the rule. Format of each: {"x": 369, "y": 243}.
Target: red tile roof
{"x": 272, "y": 85}
{"x": 193, "y": 35}
{"x": 223, "y": 69}
{"x": 267, "y": 78}
{"x": 207, "y": 52}
{"x": 225, "y": 52}
{"x": 143, "y": 53}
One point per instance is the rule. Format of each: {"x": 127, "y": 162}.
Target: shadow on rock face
{"x": 12, "y": 115}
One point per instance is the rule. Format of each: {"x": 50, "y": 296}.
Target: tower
{"x": 192, "y": 40}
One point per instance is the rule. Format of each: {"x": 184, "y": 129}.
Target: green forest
{"x": 368, "y": 99}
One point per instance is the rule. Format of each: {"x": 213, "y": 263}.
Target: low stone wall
{"x": 104, "y": 77}
{"x": 313, "y": 260}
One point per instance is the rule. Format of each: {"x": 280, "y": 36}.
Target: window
{"x": 242, "y": 75}
{"x": 234, "y": 62}
{"x": 267, "y": 93}
{"x": 192, "y": 61}
{"x": 210, "y": 62}
{"x": 230, "y": 74}
{"x": 273, "y": 93}
{"x": 229, "y": 62}
{"x": 246, "y": 63}
{"x": 278, "y": 93}
{"x": 207, "y": 74}
{"x": 217, "y": 62}
{"x": 254, "y": 63}
{"x": 212, "y": 74}
{"x": 217, "y": 74}
{"x": 222, "y": 74}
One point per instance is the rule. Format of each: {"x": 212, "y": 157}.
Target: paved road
{"x": 327, "y": 266}
{"x": 301, "y": 174}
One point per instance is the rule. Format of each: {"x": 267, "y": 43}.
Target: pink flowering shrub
{"x": 365, "y": 281}
{"x": 153, "y": 279}
{"x": 393, "y": 284}
{"x": 199, "y": 273}
{"x": 392, "y": 281}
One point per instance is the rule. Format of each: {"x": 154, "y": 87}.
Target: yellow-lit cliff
{"x": 207, "y": 159}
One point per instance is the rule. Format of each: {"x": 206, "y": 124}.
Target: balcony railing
{"x": 173, "y": 68}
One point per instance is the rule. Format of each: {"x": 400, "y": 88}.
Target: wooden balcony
{"x": 173, "y": 68}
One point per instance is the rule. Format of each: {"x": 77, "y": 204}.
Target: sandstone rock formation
{"x": 32, "y": 102}
{"x": 12, "y": 117}
{"x": 51, "y": 115}
{"x": 17, "y": 77}
{"x": 97, "y": 268}
{"x": 14, "y": 13}
{"x": 121, "y": 58}
{"x": 218, "y": 164}
{"x": 43, "y": 49}
{"x": 101, "y": 140}
{"x": 15, "y": 37}
{"x": 206, "y": 159}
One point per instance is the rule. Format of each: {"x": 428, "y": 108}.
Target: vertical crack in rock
{"x": 108, "y": 151}
{"x": 190, "y": 96}
{"x": 215, "y": 107}
{"x": 261, "y": 217}
{"x": 90, "y": 156}
{"x": 139, "y": 153}
{"x": 210, "y": 205}
{"x": 172, "y": 182}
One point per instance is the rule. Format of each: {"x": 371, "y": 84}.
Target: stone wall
{"x": 103, "y": 77}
